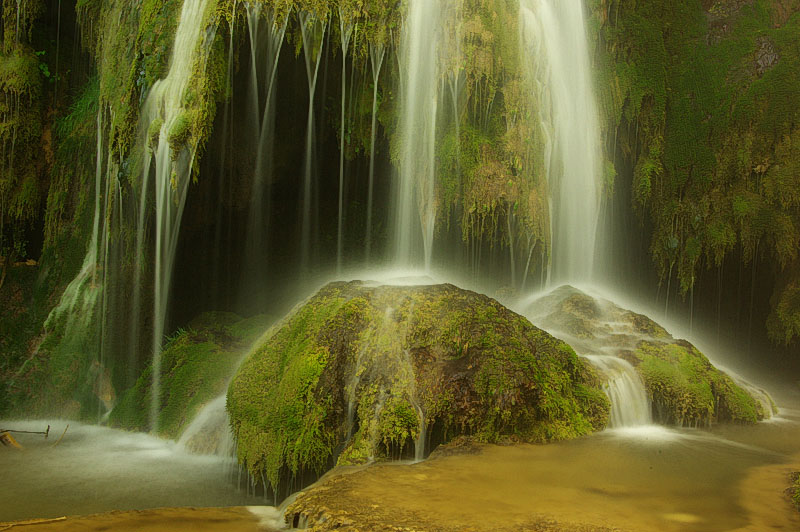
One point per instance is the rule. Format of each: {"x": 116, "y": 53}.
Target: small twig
{"x": 62, "y": 435}
{"x": 28, "y": 431}
{"x": 6, "y": 526}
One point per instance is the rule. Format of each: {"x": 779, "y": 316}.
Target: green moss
{"x": 356, "y": 366}
{"x": 794, "y": 490}
{"x": 179, "y": 132}
{"x": 673, "y": 380}
{"x": 687, "y": 390}
{"x": 197, "y": 364}
{"x": 277, "y": 421}
{"x": 704, "y": 115}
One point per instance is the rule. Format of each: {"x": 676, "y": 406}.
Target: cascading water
{"x": 630, "y": 405}
{"x": 164, "y": 112}
{"x": 209, "y": 432}
{"x": 553, "y": 36}
{"x": 415, "y": 201}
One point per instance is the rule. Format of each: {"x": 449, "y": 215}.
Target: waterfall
{"x": 630, "y": 406}
{"x": 420, "y": 81}
{"x": 163, "y": 112}
{"x": 209, "y": 432}
{"x": 553, "y": 37}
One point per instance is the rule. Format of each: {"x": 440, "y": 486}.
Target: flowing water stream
{"x": 415, "y": 215}
{"x": 553, "y": 37}
{"x": 163, "y": 112}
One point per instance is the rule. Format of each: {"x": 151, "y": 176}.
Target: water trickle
{"x": 346, "y": 32}
{"x": 419, "y": 444}
{"x": 630, "y": 406}
{"x": 270, "y": 41}
{"x": 553, "y": 37}
{"x": 163, "y": 109}
{"x": 209, "y": 432}
{"x": 313, "y": 34}
{"x": 376, "y": 55}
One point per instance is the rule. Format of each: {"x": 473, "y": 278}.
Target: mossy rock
{"x": 362, "y": 372}
{"x": 197, "y": 364}
{"x": 684, "y": 387}
{"x": 794, "y": 489}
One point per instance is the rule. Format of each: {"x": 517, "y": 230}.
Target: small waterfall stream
{"x": 346, "y": 28}
{"x": 553, "y": 36}
{"x": 313, "y": 35}
{"x": 414, "y": 197}
{"x": 630, "y": 405}
{"x": 209, "y": 432}
{"x": 271, "y": 41}
{"x": 163, "y": 112}
{"x": 377, "y": 51}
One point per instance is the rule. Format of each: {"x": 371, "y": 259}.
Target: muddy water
{"x": 95, "y": 469}
{"x": 647, "y": 478}
{"x": 639, "y": 479}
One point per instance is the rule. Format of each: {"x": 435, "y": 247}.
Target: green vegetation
{"x": 197, "y": 364}
{"x": 43, "y": 372}
{"x": 700, "y": 98}
{"x": 352, "y": 370}
{"x": 22, "y": 139}
{"x": 687, "y": 390}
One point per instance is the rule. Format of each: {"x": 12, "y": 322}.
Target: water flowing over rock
{"x": 362, "y": 372}
{"x": 682, "y": 385}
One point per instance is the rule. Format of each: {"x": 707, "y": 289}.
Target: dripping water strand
{"x": 376, "y": 55}
{"x": 312, "y": 32}
{"x": 346, "y": 32}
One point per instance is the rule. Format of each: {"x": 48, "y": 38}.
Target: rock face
{"x": 684, "y": 387}
{"x": 362, "y": 372}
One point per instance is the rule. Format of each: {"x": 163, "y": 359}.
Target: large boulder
{"x": 361, "y": 372}
{"x": 684, "y": 387}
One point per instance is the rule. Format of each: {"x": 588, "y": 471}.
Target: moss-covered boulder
{"x": 197, "y": 364}
{"x": 361, "y": 372}
{"x": 684, "y": 387}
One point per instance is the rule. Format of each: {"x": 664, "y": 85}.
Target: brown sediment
{"x": 520, "y": 488}
{"x": 235, "y": 519}
{"x": 764, "y": 498}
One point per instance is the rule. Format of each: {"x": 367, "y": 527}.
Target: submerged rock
{"x": 361, "y": 372}
{"x": 683, "y": 386}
